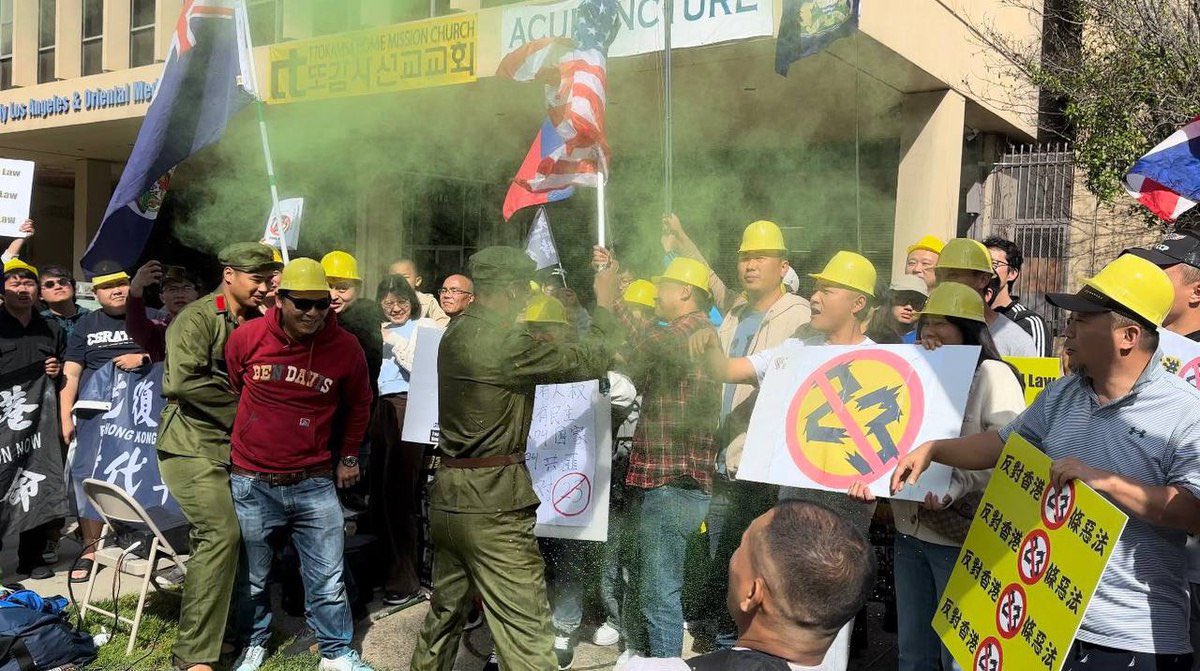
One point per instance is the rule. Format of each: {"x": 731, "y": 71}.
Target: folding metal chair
{"x": 115, "y": 505}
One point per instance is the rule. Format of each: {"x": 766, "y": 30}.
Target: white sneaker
{"x": 251, "y": 658}
{"x": 626, "y": 657}
{"x": 606, "y": 635}
{"x": 347, "y": 662}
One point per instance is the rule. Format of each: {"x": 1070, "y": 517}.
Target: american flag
{"x": 574, "y": 71}
{"x": 1167, "y": 179}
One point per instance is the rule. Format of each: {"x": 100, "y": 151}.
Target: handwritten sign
{"x": 421, "y": 415}
{"x": 830, "y": 416}
{"x": 413, "y": 55}
{"x": 569, "y": 457}
{"x": 284, "y": 223}
{"x": 1036, "y": 373}
{"x": 16, "y": 186}
{"x": 1031, "y": 561}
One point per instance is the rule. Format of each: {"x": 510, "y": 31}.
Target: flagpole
{"x": 601, "y": 178}
{"x": 668, "y": 148}
{"x": 244, "y": 27}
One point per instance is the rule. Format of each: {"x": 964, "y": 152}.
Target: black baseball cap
{"x": 1175, "y": 248}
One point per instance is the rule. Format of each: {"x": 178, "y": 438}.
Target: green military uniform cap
{"x": 248, "y": 257}
{"x": 496, "y": 265}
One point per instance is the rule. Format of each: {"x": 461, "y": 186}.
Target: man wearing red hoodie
{"x": 296, "y": 371}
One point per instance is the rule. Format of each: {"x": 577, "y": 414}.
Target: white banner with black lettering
{"x": 31, "y": 467}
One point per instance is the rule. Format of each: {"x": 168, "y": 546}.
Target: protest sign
{"x": 1180, "y": 356}
{"x": 828, "y": 416}
{"x": 116, "y": 443}
{"x": 1031, "y": 561}
{"x": 285, "y": 221}
{"x": 1036, "y": 373}
{"x": 569, "y": 456}
{"x": 421, "y": 415}
{"x": 412, "y": 55}
{"x": 640, "y": 30}
{"x": 31, "y": 469}
{"x": 16, "y": 186}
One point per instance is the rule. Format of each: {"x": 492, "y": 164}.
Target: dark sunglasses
{"x": 306, "y": 304}
{"x": 917, "y": 302}
{"x": 57, "y": 282}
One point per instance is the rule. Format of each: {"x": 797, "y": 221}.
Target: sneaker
{"x": 626, "y": 657}
{"x": 170, "y": 578}
{"x": 606, "y": 635}
{"x": 398, "y": 599}
{"x": 564, "y": 652}
{"x": 492, "y": 663}
{"x": 251, "y": 658}
{"x": 474, "y": 619}
{"x": 37, "y": 572}
{"x": 50, "y": 552}
{"x": 347, "y": 662}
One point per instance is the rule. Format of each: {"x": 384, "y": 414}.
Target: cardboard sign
{"x": 16, "y": 186}
{"x": 1031, "y": 561}
{"x": 569, "y": 457}
{"x": 284, "y": 222}
{"x": 830, "y": 416}
{"x": 1180, "y": 356}
{"x": 421, "y": 416}
{"x": 1036, "y": 373}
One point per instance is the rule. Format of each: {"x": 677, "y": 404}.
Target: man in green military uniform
{"x": 193, "y": 445}
{"x": 482, "y": 503}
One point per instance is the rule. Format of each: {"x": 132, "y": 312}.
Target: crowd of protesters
{"x": 287, "y": 388}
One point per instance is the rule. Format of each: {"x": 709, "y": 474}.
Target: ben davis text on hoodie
{"x": 290, "y": 393}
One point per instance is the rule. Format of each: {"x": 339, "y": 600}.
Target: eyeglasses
{"x": 306, "y": 304}
{"x": 997, "y": 264}
{"x": 391, "y": 305}
{"x": 453, "y": 291}
{"x": 56, "y": 282}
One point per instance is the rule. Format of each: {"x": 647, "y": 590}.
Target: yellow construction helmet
{"x": 928, "y": 243}
{"x": 762, "y": 236}
{"x": 640, "y": 292}
{"x": 850, "y": 270}
{"x": 686, "y": 271}
{"x": 543, "y": 309}
{"x": 340, "y": 265}
{"x": 951, "y": 299}
{"x": 18, "y": 264}
{"x": 303, "y": 275}
{"x": 1128, "y": 285}
{"x": 965, "y": 254}
{"x": 534, "y": 288}
{"x": 276, "y": 255}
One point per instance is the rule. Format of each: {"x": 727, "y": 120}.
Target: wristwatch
{"x": 350, "y": 462}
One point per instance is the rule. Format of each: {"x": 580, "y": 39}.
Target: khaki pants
{"x": 497, "y": 555}
{"x": 201, "y": 486}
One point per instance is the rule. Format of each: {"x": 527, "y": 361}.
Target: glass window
{"x": 6, "y": 43}
{"x": 93, "y": 36}
{"x": 336, "y": 16}
{"x": 264, "y": 21}
{"x": 141, "y": 33}
{"x": 45, "y": 68}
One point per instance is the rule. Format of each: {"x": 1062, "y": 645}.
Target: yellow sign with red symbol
{"x": 1036, "y": 373}
{"x": 1028, "y": 568}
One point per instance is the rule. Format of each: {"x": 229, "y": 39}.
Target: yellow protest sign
{"x": 1028, "y": 568}
{"x": 1036, "y": 373}
{"x": 404, "y": 56}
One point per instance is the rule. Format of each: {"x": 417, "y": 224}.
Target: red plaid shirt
{"x": 680, "y": 402}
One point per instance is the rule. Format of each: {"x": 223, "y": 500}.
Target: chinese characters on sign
{"x": 405, "y": 56}
{"x": 1030, "y": 563}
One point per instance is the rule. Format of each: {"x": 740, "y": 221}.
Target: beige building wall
{"x": 68, "y": 39}
{"x": 114, "y": 54}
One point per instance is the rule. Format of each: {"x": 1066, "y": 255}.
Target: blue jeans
{"x": 735, "y": 504}
{"x": 665, "y": 518}
{"x": 310, "y": 509}
{"x": 922, "y": 570}
{"x": 614, "y": 576}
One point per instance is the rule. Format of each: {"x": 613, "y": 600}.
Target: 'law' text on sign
{"x": 16, "y": 185}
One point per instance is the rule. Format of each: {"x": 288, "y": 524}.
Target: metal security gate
{"x": 1032, "y": 187}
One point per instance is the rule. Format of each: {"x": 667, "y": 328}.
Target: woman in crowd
{"x": 896, "y": 320}
{"x": 930, "y": 534}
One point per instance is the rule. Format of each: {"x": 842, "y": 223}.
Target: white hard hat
{"x": 792, "y": 281}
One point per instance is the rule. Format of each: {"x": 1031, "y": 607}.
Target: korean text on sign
{"x": 1030, "y": 564}
{"x": 404, "y": 56}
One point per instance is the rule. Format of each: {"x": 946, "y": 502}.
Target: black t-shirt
{"x": 22, "y": 346}
{"x": 99, "y": 338}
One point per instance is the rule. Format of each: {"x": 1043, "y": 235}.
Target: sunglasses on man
{"x": 56, "y": 282}
{"x": 306, "y": 304}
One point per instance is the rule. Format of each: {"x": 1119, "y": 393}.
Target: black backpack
{"x": 32, "y": 641}
{"x": 738, "y": 660}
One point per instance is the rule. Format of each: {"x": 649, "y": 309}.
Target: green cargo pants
{"x": 497, "y": 555}
{"x": 201, "y": 486}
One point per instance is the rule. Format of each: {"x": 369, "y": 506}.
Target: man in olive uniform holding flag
{"x": 482, "y": 504}
{"x": 193, "y": 444}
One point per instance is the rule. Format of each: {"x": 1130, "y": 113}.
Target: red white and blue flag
{"x": 1167, "y": 179}
{"x": 518, "y": 196}
{"x": 206, "y": 80}
{"x": 575, "y": 73}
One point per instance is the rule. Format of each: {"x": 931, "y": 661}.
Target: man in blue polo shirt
{"x": 1130, "y": 430}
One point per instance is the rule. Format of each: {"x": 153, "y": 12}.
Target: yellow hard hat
{"x": 951, "y": 299}
{"x": 965, "y": 254}
{"x": 276, "y": 255}
{"x": 1128, "y": 285}
{"x": 303, "y": 275}
{"x": 928, "y": 243}
{"x": 762, "y": 236}
{"x": 850, "y": 270}
{"x": 534, "y": 288}
{"x": 340, "y": 265}
{"x": 18, "y": 264}
{"x": 544, "y": 309}
{"x": 686, "y": 271}
{"x": 640, "y": 292}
